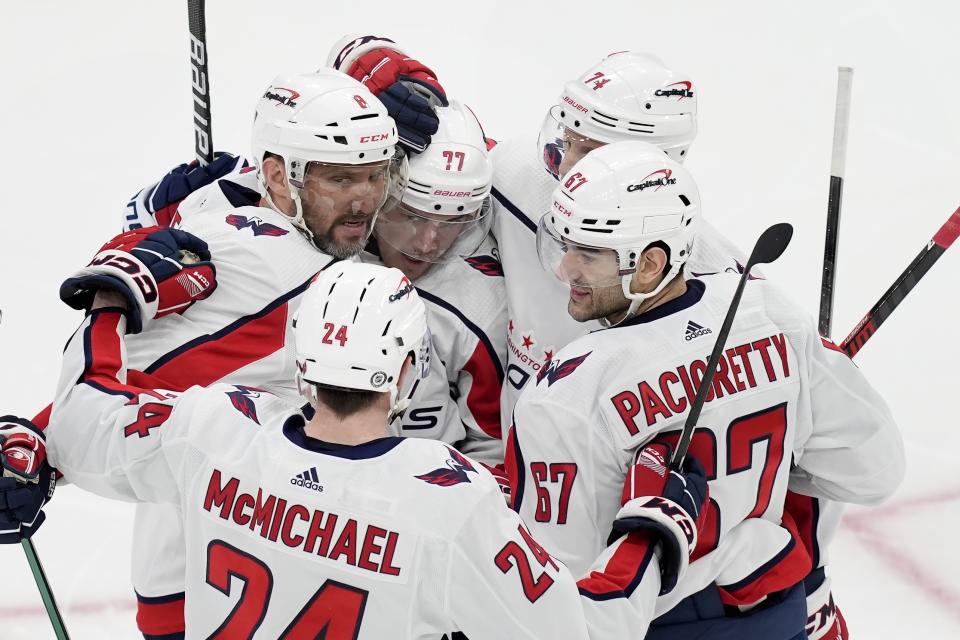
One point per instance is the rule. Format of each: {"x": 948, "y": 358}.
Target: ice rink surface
{"x": 98, "y": 104}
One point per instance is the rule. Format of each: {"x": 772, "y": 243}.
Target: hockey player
{"x": 619, "y": 237}
{"x": 326, "y": 526}
{"x": 324, "y": 152}
{"x": 435, "y": 229}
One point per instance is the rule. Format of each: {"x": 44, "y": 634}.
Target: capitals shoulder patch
{"x": 454, "y": 473}
{"x": 555, "y": 370}
{"x": 258, "y": 226}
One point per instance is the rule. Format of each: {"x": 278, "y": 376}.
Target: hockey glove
{"x": 668, "y": 504}
{"x": 407, "y": 88}
{"x": 158, "y": 271}
{"x": 28, "y": 481}
{"x": 157, "y": 204}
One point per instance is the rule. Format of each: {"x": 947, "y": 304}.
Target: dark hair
{"x": 345, "y": 402}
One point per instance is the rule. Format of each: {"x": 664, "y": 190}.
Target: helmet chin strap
{"x": 636, "y": 299}
{"x": 297, "y": 219}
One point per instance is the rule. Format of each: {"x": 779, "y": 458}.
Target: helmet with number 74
{"x": 358, "y": 326}
{"x": 627, "y": 96}
{"x": 620, "y": 227}
{"x": 441, "y": 213}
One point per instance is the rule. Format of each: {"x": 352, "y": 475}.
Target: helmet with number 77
{"x": 612, "y": 206}
{"x": 356, "y": 327}
{"x": 441, "y": 212}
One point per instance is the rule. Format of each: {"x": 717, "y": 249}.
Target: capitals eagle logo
{"x": 242, "y": 400}
{"x": 454, "y": 473}
{"x": 258, "y": 226}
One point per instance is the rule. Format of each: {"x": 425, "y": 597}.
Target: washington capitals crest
{"x": 487, "y": 265}
{"x": 242, "y": 400}
{"x": 454, "y": 473}
{"x": 555, "y": 370}
{"x": 258, "y": 226}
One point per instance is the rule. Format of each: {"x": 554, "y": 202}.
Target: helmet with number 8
{"x": 324, "y": 117}
{"x": 612, "y": 205}
{"x": 441, "y": 212}
{"x": 356, "y": 327}
{"x": 627, "y": 96}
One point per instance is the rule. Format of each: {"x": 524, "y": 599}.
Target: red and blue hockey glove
{"x": 407, "y": 88}
{"x": 157, "y": 204}
{"x": 158, "y": 271}
{"x": 28, "y": 481}
{"x": 499, "y": 474}
{"x": 668, "y": 504}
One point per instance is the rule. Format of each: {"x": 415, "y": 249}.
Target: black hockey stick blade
{"x": 893, "y": 296}
{"x": 770, "y": 246}
{"x": 202, "y": 124}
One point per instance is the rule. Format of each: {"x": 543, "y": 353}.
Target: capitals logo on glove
{"x": 158, "y": 271}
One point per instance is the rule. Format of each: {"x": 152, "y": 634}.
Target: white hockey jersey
{"x": 539, "y": 324}
{"x": 240, "y": 335}
{"x": 459, "y": 402}
{"x": 781, "y": 396}
{"x": 291, "y": 537}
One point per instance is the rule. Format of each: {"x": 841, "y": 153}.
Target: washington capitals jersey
{"x": 288, "y": 536}
{"x": 241, "y": 335}
{"x": 781, "y": 398}
{"x": 467, "y": 314}
{"x": 538, "y": 322}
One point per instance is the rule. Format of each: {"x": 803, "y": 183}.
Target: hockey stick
{"x": 838, "y": 160}
{"x": 43, "y": 585}
{"x": 770, "y": 246}
{"x": 202, "y": 125}
{"x": 46, "y": 593}
{"x": 890, "y": 300}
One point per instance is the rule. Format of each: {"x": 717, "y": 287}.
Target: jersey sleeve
{"x": 109, "y": 437}
{"x": 848, "y": 446}
{"x": 503, "y": 584}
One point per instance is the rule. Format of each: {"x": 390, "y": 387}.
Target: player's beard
{"x": 346, "y": 236}
{"x": 587, "y": 303}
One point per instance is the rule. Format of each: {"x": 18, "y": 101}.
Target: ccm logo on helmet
{"x": 374, "y": 138}
{"x": 685, "y": 90}
{"x": 562, "y": 209}
{"x": 451, "y": 194}
{"x": 650, "y": 181}
{"x": 573, "y": 103}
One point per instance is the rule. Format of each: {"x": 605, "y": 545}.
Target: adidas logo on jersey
{"x": 695, "y": 331}
{"x": 308, "y": 479}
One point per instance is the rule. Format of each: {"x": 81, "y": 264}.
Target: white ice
{"x": 97, "y": 103}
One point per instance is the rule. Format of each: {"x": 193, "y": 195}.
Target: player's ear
{"x": 650, "y": 269}
{"x": 275, "y": 175}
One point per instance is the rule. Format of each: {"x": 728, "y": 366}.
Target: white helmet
{"x": 612, "y": 205}
{"x": 441, "y": 211}
{"x": 325, "y": 117}
{"x": 627, "y": 96}
{"x": 356, "y": 327}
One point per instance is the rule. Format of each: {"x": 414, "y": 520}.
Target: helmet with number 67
{"x": 627, "y": 96}
{"x": 356, "y": 327}
{"x": 611, "y": 207}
